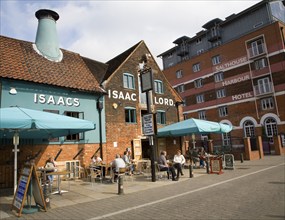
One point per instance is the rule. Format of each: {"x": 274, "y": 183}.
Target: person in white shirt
{"x": 178, "y": 161}
{"x": 116, "y": 165}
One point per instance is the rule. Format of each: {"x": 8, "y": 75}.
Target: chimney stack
{"x": 46, "y": 40}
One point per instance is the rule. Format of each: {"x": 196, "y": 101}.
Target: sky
{"x": 102, "y": 29}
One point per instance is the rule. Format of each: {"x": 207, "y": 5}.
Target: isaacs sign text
{"x": 133, "y": 97}
{"x": 51, "y": 100}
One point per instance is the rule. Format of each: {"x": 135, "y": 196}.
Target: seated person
{"x": 128, "y": 161}
{"x": 178, "y": 161}
{"x": 50, "y": 166}
{"x": 163, "y": 166}
{"x": 116, "y": 165}
{"x": 202, "y": 155}
{"x": 194, "y": 156}
{"x": 95, "y": 163}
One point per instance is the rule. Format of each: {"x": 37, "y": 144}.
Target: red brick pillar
{"x": 247, "y": 148}
{"x": 277, "y": 145}
{"x": 260, "y": 147}
{"x": 210, "y": 146}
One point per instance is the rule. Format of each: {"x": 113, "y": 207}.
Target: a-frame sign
{"x": 28, "y": 181}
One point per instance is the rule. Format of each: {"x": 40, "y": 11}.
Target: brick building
{"x": 233, "y": 71}
{"x": 125, "y": 104}
{"x": 43, "y": 77}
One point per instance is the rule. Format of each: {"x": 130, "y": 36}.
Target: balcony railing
{"x": 263, "y": 89}
{"x": 256, "y": 51}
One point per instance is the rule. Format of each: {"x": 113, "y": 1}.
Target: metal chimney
{"x": 46, "y": 40}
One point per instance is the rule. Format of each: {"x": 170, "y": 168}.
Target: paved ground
{"x": 143, "y": 199}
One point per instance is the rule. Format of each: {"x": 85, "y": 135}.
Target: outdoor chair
{"x": 161, "y": 174}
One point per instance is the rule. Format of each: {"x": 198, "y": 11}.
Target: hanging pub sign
{"x": 146, "y": 80}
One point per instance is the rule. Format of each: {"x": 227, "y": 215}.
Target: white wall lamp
{"x": 13, "y": 91}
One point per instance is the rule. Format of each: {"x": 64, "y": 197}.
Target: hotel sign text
{"x": 231, "y": 63}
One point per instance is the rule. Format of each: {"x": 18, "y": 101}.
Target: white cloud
{"x": 103, "y": 29}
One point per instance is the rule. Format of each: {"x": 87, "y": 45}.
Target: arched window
{"x": 248, "y": 128}
{"x": 270, "y": 126}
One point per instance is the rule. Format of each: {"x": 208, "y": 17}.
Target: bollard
{"x": 191, "y": 171}
{"x": 241, "y": 157}
{"x": 46, "y": 194}
{"x": 207, "y": 167}
{"x": 120, "y": 185}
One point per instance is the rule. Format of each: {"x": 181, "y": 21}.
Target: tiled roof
{"x": 115, "y": 63}
{"x": 97, "y": 68}
{"x": 20, "y": 61}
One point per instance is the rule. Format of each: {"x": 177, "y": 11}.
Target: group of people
{"x": 119, "y": 162}
{"x": 177, "y": 164}
{"x": 199, "y": 155}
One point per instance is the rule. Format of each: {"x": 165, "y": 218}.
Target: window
{"x": 248, "y": 128}
{"x": 214, "y": 31}
{"x": 200, "y": 98}
{"x": 216, "y": 60}
{"x": 130, "y": 115}
{"x": 128, "y": 80}
{"x": 75, "y": 137}
{"x": 263, "y": 85}
{"x": 196, "y": 67}
{"x": 267, "y": 103}
{"x": 161, "y": 117}
{"x": 219, "y": 77}
{"x": 256, "y": 47}
{"x": 216, "y": 43}
{"x": 221, "y": 93}
{"x": 181, "y": 88}
{"x": 55, "y": 112}
{"x": 223, "y": 111}
{"x": 270, "y": 127}
{"x": 198, "y": 83}
{"x": 169, "y": 55}
{"x": 202, "y": 115}
{"x": 200, "y": 51}
{"x": 260, "y": 64}
{"x": 158, "y": 86}
{"x": 226, "y": 139}
{"x": 199, "y": 40}
{"x": 179, "y": 74}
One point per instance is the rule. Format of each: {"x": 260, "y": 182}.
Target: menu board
{"x": 229, "y": 161}
{"x": 28, "y": 180}
{"x": 216, "y": 165}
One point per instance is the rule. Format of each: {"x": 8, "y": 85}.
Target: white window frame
{"x": 260, "y": 64}
{"x": 267, "y": 103}
{"x": 219, "y": 76}
{"x": 216, "y": 60}
{"x": 221, "y": 93}
{"x": 223, "y": 111}
{"x": 179, "y": 74}
{"x": 200, "y": 98}
{"x": 158, "y": 87}
{"x": 202, "y": 115}
{"x": 181, "y": 88}
{"x": 196, "y": 67}
{"x": 264, "y": 85}
{"x": 161, "y": 117}
{"x": 198, "y": 83}
{"x": 248, "y": 129}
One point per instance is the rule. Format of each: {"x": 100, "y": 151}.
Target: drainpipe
{"x": 177, "y": 106}
{"x": 100, "y": 107}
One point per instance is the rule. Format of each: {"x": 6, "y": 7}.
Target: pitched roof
{"x": 116, "y": 62}
{"x": 20, "y": 61}
{"x": 97, "y": 68}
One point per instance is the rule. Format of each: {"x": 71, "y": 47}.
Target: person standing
{"x": 163, "y": 166}
{"x": 178, "y": 161}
